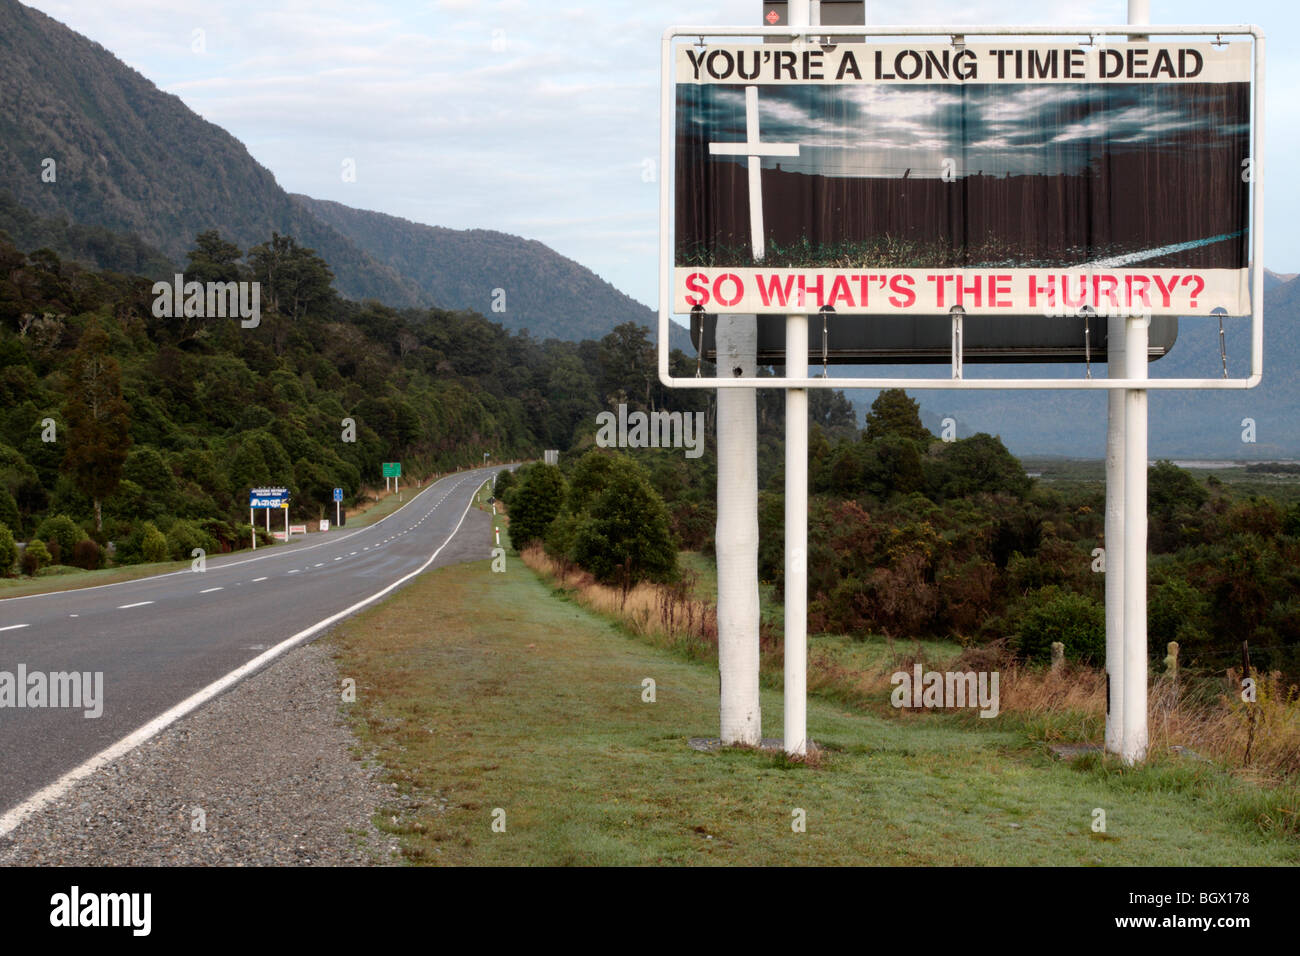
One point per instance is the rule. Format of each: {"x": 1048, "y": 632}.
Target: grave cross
{"x": 754, "y": 149}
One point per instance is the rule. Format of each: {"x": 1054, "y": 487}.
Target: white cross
{"x": 754, "y": 149}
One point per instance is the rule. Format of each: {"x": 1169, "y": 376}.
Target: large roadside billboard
{"x": 1010, "y": 178}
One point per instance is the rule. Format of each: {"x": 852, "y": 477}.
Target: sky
{"x": 534, "y": 118}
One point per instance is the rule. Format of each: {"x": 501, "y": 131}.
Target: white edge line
{"x": 12, "y": 627}
{"x": 53, "y": 791}
{"x": 222, "y": 567}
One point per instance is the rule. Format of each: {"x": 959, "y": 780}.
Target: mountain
{"x": 130, "y": 158}
{"x": 134, "y": 173}
{"x": 1183, "y": 424}
{"x": 544, "y": 292}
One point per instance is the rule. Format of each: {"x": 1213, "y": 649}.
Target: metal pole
{"x": 336, "y": 513}
{"x": 1114, "y": 535}
{"x": 252, "y": 527}
{"x": 286, "y": 525}
{"x": 1133, "y": 738}
{"x": 796, "y": 510}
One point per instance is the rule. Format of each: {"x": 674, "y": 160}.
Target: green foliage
{"x": 894, "y": 414}
{"x": 9, "y": 516}
{"x": 535, "y": 503}
{"x": 505, "y": 480}
{"x": 184, "y": 536}
{"x": 35, "y": 557}
{"x": 62, "y": 530}
{"x": 153, "y": 546}
{"x": 87, "y": 554}
{"x": 1050, "y": 615}
{"x": 615, "y": 525}
{"x": 8, "y": 551}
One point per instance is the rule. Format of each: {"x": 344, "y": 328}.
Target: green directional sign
{"x": 392, "y": 469}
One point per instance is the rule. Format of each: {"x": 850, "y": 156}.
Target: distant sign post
{"x": 268, "y": 498}
{"x": 338, "y": 497}
{"x": 393, "y": 470}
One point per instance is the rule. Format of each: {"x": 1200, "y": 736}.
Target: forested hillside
{"x": 209, "y": 408}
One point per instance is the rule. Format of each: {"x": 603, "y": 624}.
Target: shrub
{"x": 153, "y": 546}
{"x": 184, "y": 536}
{"x": 62, "y": 531}
{"x": 35, "y": 557}
{"x": 505, "y": 480}
{"x": 1076, "y": 621}
{"x": 9, "y": 516}
{"x": 86, "y": 554}
{"x": 534, "y": 505}
{"x": 8, "y": 551}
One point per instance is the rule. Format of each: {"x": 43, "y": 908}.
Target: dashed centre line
{"x": 12, "y": 627}
{"x": 210, "y": 590}
{"x": 123, "y": 607}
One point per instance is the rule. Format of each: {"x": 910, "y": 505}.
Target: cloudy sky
{"x": 886, "y": 131}
{"x": 534, "y": 118}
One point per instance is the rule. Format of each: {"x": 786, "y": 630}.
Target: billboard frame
{"x": 956, "y": 33}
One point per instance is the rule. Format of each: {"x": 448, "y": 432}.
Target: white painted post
{"x": 1133, "y": 746}
{"x": 737, "y": 534}
{"x": 268, "y": 520}
{"x": 336, "y": 513}
{"x": 796, "y": 510}
{"x": 1114, "y": 553}
{"x": 286, "y": 525}
{"x": 252, "y": 527}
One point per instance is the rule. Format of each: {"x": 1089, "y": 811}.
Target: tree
{"x": 98, "y": 426}
{"x": 294, "y": 279}
{"x": 624, "y": 537}
{"x": 213, "y": 259}
{"x": 8, "y": 552}
{"x": 534, "y": 504}
{"x": 893, "y": 413}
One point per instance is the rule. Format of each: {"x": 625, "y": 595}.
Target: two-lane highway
{"x": 164, "y": 640}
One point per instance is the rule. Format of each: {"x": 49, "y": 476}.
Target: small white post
{"x": 268, "y": 520}
{"x": 286, "y": 525}
{"x": 337, "y": 522}
{"x": 796, "y": 511}
{"x": 252, "y": 527}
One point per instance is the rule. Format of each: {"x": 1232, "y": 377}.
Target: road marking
{"x": 46, "y": 795}
{"x": 350, "y": 555}
{"x": 255, "y": 580}
{"x": 123, "y": 607}
{"x": 210, "y": 590}
{"x": 318, "y": 565}
{"x": 13, "y": 627}
{"x": 339, "y": 558}
{"x": 294, "y": 571}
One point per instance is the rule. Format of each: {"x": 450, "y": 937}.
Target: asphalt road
{"x": 158, "y": 640}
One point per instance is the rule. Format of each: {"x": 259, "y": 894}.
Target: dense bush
{"x": 153, "y": 546}
{"x": 86, "y": 554}
{"x": 35, "y": 557}
{"x": 62, "y": 531}
{"x": 535, "y": 503}
{"x": 8, "y": 551}
{"x": 1077, "y": 621}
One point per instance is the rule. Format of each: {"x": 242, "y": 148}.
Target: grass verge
{"x": 482, "y": 691}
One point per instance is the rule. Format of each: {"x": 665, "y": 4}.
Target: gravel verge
{"x": 271, "y": 764}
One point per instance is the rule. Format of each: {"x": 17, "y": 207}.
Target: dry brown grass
{"x": 1260, "y": 740}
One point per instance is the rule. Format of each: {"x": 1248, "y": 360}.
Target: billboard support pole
{"x": 1133, "y": 748}
{"x": 252, "y": 527}
{"x": 796, "y": 510}
{"x": 1114, "y": 535}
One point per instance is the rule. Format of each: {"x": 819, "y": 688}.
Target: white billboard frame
{"x": 1094, "y": 35}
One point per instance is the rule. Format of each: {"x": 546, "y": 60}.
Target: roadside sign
{"x": 392, "y": 469}
{"x": 954, "y": 176}
{"x": 338, "y": 494}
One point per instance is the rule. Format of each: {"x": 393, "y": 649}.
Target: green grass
{"x": 480, "y": 691}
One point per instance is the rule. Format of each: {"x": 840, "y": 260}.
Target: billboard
{"x": 1012, "y": 178}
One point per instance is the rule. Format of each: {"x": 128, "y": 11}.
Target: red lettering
{"x": 905, "y": 298}
{"x": 695, "y": 282}
{"x": 804, "y": 288}
{"x": 717, "y": 288}
{"x": 840, "y": 290}
{"x": 1141, "y": 293}
{"x": 773, "y": 291}
{"x": 1111, "y": 284}
{"x": 1035, "y": 289}
{"x": 976, "y": 289}
{"x": 1167, "y": 291}
{"x": 939, "y": 283}
{"x": 999, "y": 286}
